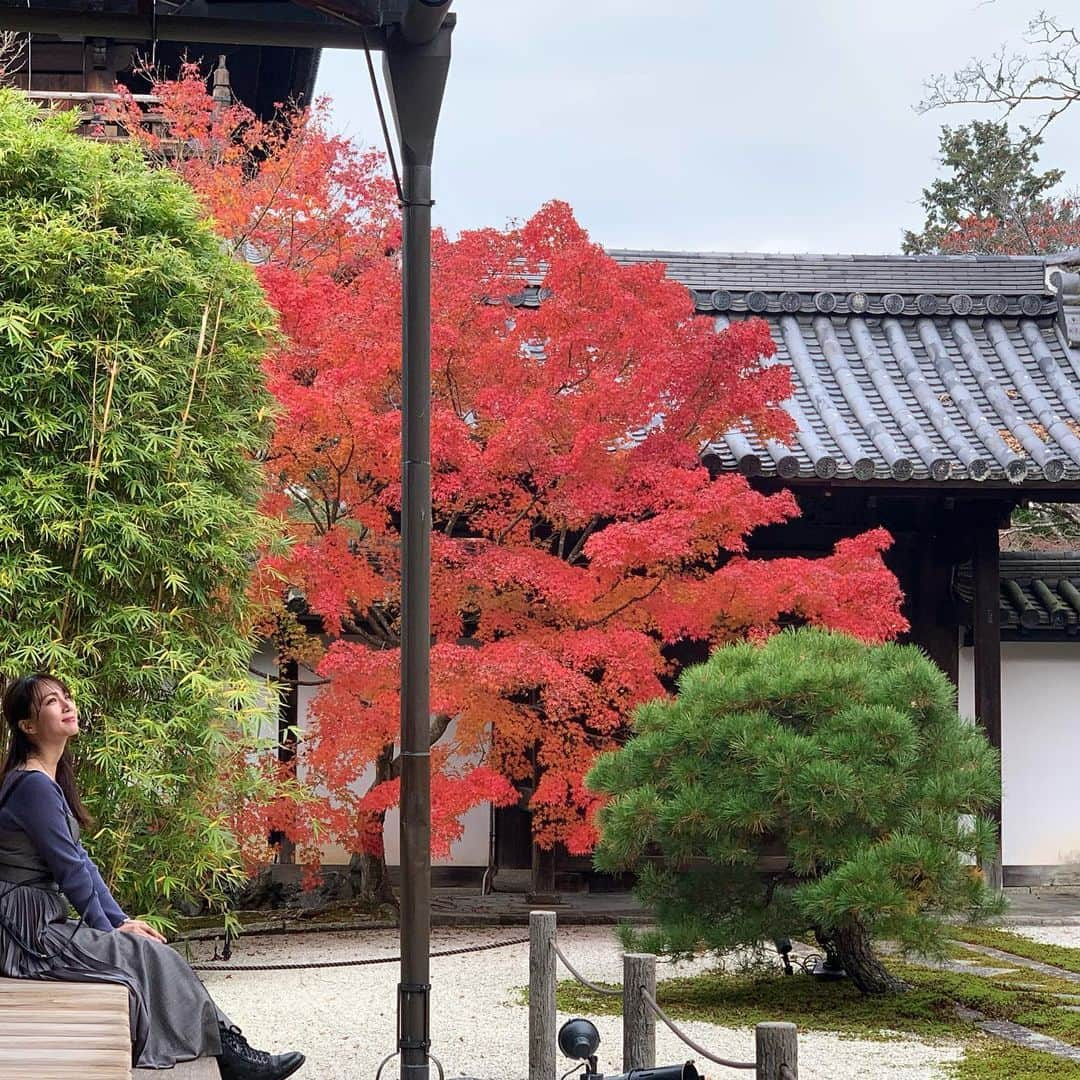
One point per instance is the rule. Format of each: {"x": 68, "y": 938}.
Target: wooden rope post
{"x": 777, "y": 1052}
{"x": 542, "y": 961}
{"x": 639, "y": 1021}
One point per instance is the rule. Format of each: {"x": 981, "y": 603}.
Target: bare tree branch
{"x": 13, "y": 56}
{"x": 1044, "y": 526}
{"x": 1045, "y": 75}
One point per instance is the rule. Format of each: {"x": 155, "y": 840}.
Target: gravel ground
{"x": 1050, "y": 935}
{"x": 343, "y": 1019}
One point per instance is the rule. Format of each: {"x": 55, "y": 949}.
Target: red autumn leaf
{"x": 579, "y": 542}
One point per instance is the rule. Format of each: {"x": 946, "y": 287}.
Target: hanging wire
{"x": 387, "y": 142}
{"x": 382, "y": 120}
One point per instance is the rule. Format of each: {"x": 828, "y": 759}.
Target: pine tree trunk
{"x": 856, "y": 952}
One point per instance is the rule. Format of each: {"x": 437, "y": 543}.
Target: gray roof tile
{"x": 1039, "y": 590}
{"x": 882, "y": 392}
{"x": 744, "y": 271}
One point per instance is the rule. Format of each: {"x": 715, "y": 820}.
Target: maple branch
{"x": 452, "y": 386}
{"x": 622, "y": 607}
{"x": 384, "y": 626}
{"x": 288, "y": 682}
{"x": 294, "y": 143}
{"x": 510, "y": 528}
{"x": 439, "y": 724}
{"x": 293, "y": 491}
{"x": 341, "y": 473}
{"x": 368, "y": 638}
{"x": 575, "y": 551}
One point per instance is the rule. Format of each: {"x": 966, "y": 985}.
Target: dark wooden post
{"x": 542, "y": 887}
{"x": 542, "y": 879}
{"x": 935, "y": 627}
{"x": 986, "y": 628}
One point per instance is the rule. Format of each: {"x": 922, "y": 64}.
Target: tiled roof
{"x": 1038, "y": 591}
{"x": 744, "y": 271}
{"x": 949, "y": 368}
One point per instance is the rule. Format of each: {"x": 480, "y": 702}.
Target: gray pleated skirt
{"x": 173, "y": 1018}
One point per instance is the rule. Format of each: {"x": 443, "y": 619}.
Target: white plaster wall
{"x": 470, "y": 850}
{"x": 1040, "y": 749}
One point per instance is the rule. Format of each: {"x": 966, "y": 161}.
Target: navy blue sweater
{"x": 38, "y": 807}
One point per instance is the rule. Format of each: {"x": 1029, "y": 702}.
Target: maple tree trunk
{"x": 543, "y": 872}
{"x": 370, "y": 881}
{"x": 368, "y": 877}
{"x": 855, "y": 951}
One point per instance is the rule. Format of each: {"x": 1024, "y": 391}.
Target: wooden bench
{"x": 74, "y": 1031}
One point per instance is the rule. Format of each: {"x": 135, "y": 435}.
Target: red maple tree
{"x": 1049, "y": 226}
{"x": 579, "y": 540}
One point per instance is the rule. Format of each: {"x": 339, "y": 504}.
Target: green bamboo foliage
{"x": 131, "y": 408}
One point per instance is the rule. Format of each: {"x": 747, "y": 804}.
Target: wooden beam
{"x": 305, "y": 31}
{"x": 986, "y": 631}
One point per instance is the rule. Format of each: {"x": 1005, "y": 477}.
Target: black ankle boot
{"x": 239, "y": 1061}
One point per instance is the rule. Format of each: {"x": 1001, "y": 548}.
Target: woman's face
{"x": 55, "y": 719}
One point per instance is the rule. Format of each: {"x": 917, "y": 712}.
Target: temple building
{"x": 74, "y": 66}
{"x": 932, "y": 395}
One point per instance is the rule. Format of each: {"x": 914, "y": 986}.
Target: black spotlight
{"x": 579, "y": 1039}
{"x": 783, "y": 947}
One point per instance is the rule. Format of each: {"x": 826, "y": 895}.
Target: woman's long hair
{"x": 21, "y": 700}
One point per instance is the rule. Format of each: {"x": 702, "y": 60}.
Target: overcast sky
{"x": 776, "y": 125}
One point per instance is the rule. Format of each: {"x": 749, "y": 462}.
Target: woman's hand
{"x": 138, "y": 927}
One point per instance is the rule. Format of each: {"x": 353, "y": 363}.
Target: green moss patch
{"x": 995, "y": 1060}
{"x": 745, "y": 1000}
{"x": 928, "y": 1011}
{"x": 1058, "y": 955}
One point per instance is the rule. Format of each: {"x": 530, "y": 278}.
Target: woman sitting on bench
{"x": 43, "y": 866}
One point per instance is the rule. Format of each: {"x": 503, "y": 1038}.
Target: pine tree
{"x": 813, "y": 784}
{"x": 993, "y": 200}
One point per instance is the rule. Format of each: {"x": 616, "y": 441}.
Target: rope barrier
{"x": 581, "y": 978}
{"x": 696, "y": 1047}
{"x": 355, "y": 963}
{"x": 785, "y": 1072}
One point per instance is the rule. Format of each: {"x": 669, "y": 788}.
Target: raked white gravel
{"x": 343, "y": 1018}
{"x": 1050, "y": 935}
